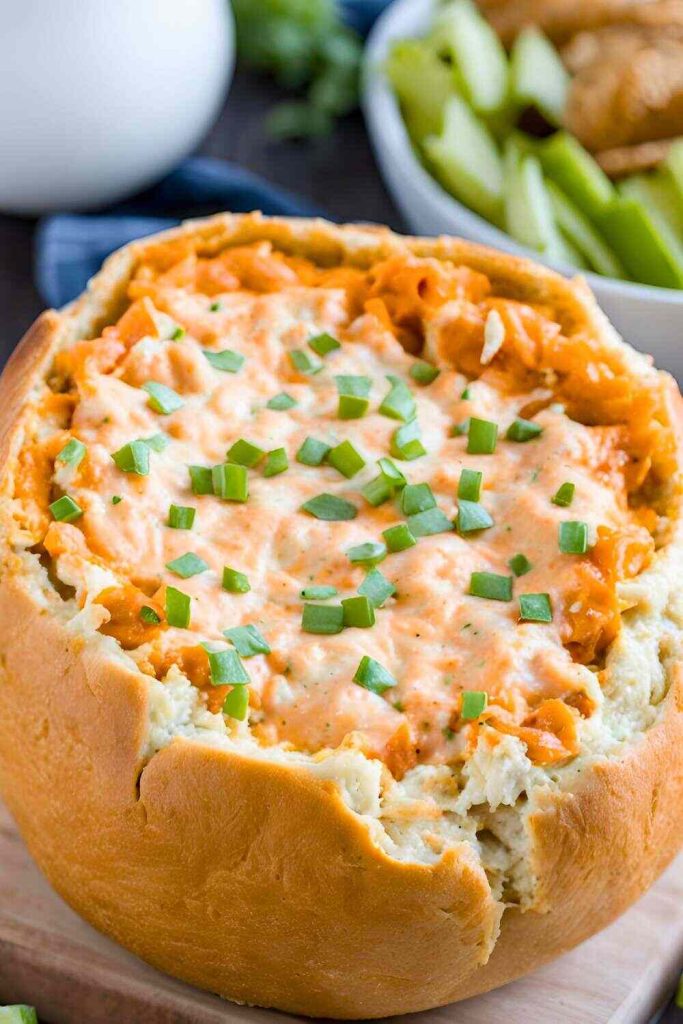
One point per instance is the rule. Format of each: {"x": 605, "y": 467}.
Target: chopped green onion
{"x": 473, "y": 704}
{"x": 72, "y": 453}
{"x": 460, "y": 429}
{"x": 322, "y": 618}
{"x": 181, "y": 517}
{"x": 178, "y": 333}
{"x": 330, "y": 508}
{"x": 276, "y": 462}
{"x": 373, "y": 677}
{"x": 491, "y": 586}
{"x": 227, "y": 360}
{"x": 324, "y": 343}
{"x": 535, "y": 608}
{"x": 423, "y": 373}
{"x": 399, "y": 403}
{"x": 157, "y": 442}
{"x": 281, "y": 402}
{"x": 358, "y": 612}
{"x": 416, "y": 498}
{"x": 377, "y": 491}
{"x": 230, "y": 482}
{"x": 214, "y": 307}
{"x": 469, "y": 485}
{"x": 391, "y": 472}
{"x": 244, "y": 453}
{"x": 406, "y": 443}
{"x": 235, "y": 582}
{"x": 432, "y": 520}
{"x": 226, "y": 667}
{"x": 466, "y": 393}
{"x": 345, "y": 459}
{"x": 481, "y": 436}
{"x": 353, "y": 396}
{"x": 312, "y": 452}
{"x": 564, "y": 495}
{"x": 187, "y": 565}
{"x": 65, "y": 509}
{"x": 177, "y": 608}
{"x": 304, "y": 363}
{"x": 520, "y": 565}
{"x": 399, "y": 537}
{"x": 377, "y": 588}
{"x": 236, "y": 704}
{"x": 133, "y": 458}
{"x": 149, "y": 616}
{"x": 162, "y": 399}
{"x": 117, "y": 499}
{"x": 369, "y": 553}
{"x": 320, "y": 593}
{"x": 523, "y": 430}
{"x": 573, "y": 538}
{"x": 248, "y": 641}
{"x": 201, "y": 478}
{"x": 472, "y": 516}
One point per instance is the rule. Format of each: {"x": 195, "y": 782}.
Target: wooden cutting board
{"x": 53, "y": 960}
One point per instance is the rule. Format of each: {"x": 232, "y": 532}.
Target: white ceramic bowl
{"x": 649, "y": 318}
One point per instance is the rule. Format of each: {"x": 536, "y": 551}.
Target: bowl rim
{"x": 388, "y": 133}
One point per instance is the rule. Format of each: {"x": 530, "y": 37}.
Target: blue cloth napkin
{"x": 70, "y": 248}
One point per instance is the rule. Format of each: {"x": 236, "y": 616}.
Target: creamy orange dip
{"x": 498, "y": 361}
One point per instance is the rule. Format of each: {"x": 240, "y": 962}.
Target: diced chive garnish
{"x": 236, "y": 704}
{"x": 523, "y": 430}
{"x": 162, "y": 399}
{"x": 423, "y": 373}
{"x": 235, "y": 582}
{"x": 460, "y": 429}
{"x": 520, "y": 565}
{"x": 230, "y": 482}
{"x": 399, "y": 537}
{"x": 466, "y": 393}
{"x": 312, "y": 452}
{"x": 149, "y": 616}
{"x": 214, "y": 307}
{"x": 201, "y": 479}
{"x": 432, "y": 520}
{"x": 391, "y": 472}
{"x": 133, "y": 458}
{"x": 157, "y": 442}
{"x": 473, "y": 703}
{"x": 416, "y": 498}
{"x": 330, "y": 508}
{"x": 373, "y": 677}
{"x": 406, "y": 443}
{"x": 117, "y": 499}
{"x": 377, "y": 491}
{"x": 248, "y": 641}
{"x": 227, "y": 360}
{"x": 226, "y": 667}
{"x": 573, "y": 538}
{"x": 281, "y": 402}
{"x": 65, "y": 509}
{"x": 345, "y": 459}
{"x": 322, "y": 618}
{"x": 276, "y": 462}
{"x": 178, "y": 334}
{"x": 244, "y": 453}
{"x": 187, "y": 565}
{"x": 377, "y": 588}
{"x": 535, "y": 608}
{"x": 491, "y": 586}
{"x": 72, "y": 453}
{"x": 303, "y": 362}
{"x": 369, "y": 553}
{"x": 177, "y": 608}
{"x": 358, "y": 611}
{"x": 323, "y": 343}
{"x": 564, "y": 495}
{"x": 469, "y": 485}
{"x": 398, "y": 403}
{"x": 319, "y": 593}
{"x": 481, "y": 436}
{"x": 181, "y": 517}
{"x": 472, "y": 516}
{"x": 353, "y": 396}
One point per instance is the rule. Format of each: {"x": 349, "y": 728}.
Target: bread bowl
{"x": 364, "y": 841}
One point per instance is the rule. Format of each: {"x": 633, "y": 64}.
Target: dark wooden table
{"x": 338, "y": 173}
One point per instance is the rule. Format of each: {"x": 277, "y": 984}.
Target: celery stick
{"x": 634, "y": 236}
{"x": 658, "y": 195}
{"x": 537, "y": 75}
{"x": 570, "y": 166}
{"x": 479, "y": 60}
{"x": 673, "y": 168}
{"x": 581, "y": 233}
{"x": 423, "y": 83}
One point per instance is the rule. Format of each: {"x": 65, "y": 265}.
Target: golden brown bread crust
{"x": 253, "y": 879}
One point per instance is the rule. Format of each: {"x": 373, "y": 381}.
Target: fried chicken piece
{"x": 622, "y": 160}
{"x": 561, "y": 19}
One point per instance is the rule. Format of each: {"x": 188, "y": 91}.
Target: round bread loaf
{"x": 341, "y": 612}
